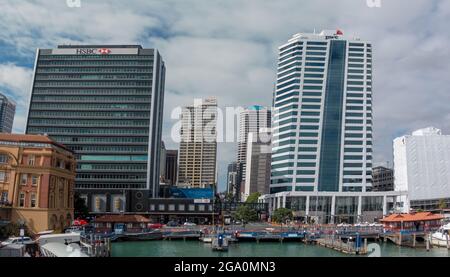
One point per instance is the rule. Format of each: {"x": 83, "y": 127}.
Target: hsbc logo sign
{"x": 93, "y": 51}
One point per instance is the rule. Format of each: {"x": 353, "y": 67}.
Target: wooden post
{"x": 414, "y": 240}
{"x": 446, "y": 238}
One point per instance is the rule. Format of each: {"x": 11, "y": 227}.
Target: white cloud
{"x": 15, "y": 81}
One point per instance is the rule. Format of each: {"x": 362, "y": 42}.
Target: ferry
{"x": 442, "y": 236}
{"x": 73, "y": 245}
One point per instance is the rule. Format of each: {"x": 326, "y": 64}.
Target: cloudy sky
{"x": 228, "y": 49}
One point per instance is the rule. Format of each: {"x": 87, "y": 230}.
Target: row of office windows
{"x": 90, "y": 139}
{"x": 110, "y": 131}
{"x": 90, "y": 83}
{"x": 94, "y": 62}
{"x": 94, "y": 77}
{"x": 90, "y": 91}
{"x": 105, "y": 70}
{"x": 89, "y": 106}
{"x": 78, "y": 122}
{"x": 92, "y": 98}
{"x": 92, "y": 114}
{"x": 109, "y": 148}
{"x": 124, "y": 167}
{"x": 112, "y": 176}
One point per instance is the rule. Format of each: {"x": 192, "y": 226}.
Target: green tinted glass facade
{"x": 105, "y": 103}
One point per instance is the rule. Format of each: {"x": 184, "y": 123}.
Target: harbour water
{"x": 251, "y": 249}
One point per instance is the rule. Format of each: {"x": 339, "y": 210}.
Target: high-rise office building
{"x": 234, "y": 178}
{"x": 422, "y": 168}
{"x": 7, "y": 112}
{"x": 382, "y": 179}
{"x": 162, "y": 163}
{"x": 322, "y": 128}
{"x": 104, "y": 102}
{"x": 198, "y": 146}
{"x": 171, "y": 167}
{"x": 251, "y": 120}
{"x": 259, "y": 153}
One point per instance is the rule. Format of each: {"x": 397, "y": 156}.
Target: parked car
{"x": 16, "y": 240}
{"x": 189, "y": 224}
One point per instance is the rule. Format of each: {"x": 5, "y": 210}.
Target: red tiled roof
{"x": 29, "y": 138}
{"x": 424, "y": 216}
{"x": 122, "y": 218}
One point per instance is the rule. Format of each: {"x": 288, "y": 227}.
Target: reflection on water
{"x": 251, "y": 249}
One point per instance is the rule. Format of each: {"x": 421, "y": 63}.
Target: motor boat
{"x": 442, "y": 236}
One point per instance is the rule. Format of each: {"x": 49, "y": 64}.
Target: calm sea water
{"x": 252, "y": 249}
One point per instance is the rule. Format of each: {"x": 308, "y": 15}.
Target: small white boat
{"x": 207, "y": 239}
{"x": 442, "y": 236}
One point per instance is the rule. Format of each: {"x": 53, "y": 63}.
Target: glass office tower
{"x": 7, "y": 113}
{"x": 322, "y": 128}
{"x": 104, "y": 102}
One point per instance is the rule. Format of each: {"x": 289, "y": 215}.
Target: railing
{"x": 95, "y": 245}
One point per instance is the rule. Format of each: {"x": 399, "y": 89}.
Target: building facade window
{"x": 31, "y": 160}
{"x": 33, "y": 200}
{"x": 34, "y": 180}
{"x": 22, "y": 199}
{"x": 24, "y": 179}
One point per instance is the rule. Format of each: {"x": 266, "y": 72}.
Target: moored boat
{"x": 441, "y": 237}
{"x": 220, "y": 243}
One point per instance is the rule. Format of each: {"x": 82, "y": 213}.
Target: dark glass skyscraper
{"x": 7, "y": 112}
{"x": 104, "y": 102}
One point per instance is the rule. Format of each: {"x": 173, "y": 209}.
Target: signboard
{"x": 22, "y": 232}
{"x": 95, "y": 51}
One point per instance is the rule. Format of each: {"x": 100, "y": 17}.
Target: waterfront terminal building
{"x": 105, "y": 103}
{"x": 37, "y": 178}
{"x": 422, "y": 167}
{"x": 322, "y": 130}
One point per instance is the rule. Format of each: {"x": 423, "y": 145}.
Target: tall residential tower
{"x": 104, "y": 102}
{"x": 198, "y": 146}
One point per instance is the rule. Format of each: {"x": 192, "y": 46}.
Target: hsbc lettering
{"x": 86, "y": 51}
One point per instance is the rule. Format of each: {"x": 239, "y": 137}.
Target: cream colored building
{"x": 198, "y": 146}
{"x": 36, "y": 182}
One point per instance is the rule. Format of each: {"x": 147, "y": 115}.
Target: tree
{"x": 281, "y": 215}
{"x": 229, "y": 197}
{"x": 253, "y": 198}
{"x": 245, "y": 214}
{"x": 442, "y": 204}
{"x": 80, "y": 207}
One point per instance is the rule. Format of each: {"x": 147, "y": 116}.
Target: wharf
{"x": 342, "y": 246}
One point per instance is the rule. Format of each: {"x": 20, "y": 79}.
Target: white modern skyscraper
{"x": 322, "y": 129}
{"x": 323, "y": 114}
{"x": 198, "y": 146}
{"x": 422, "y": 167}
